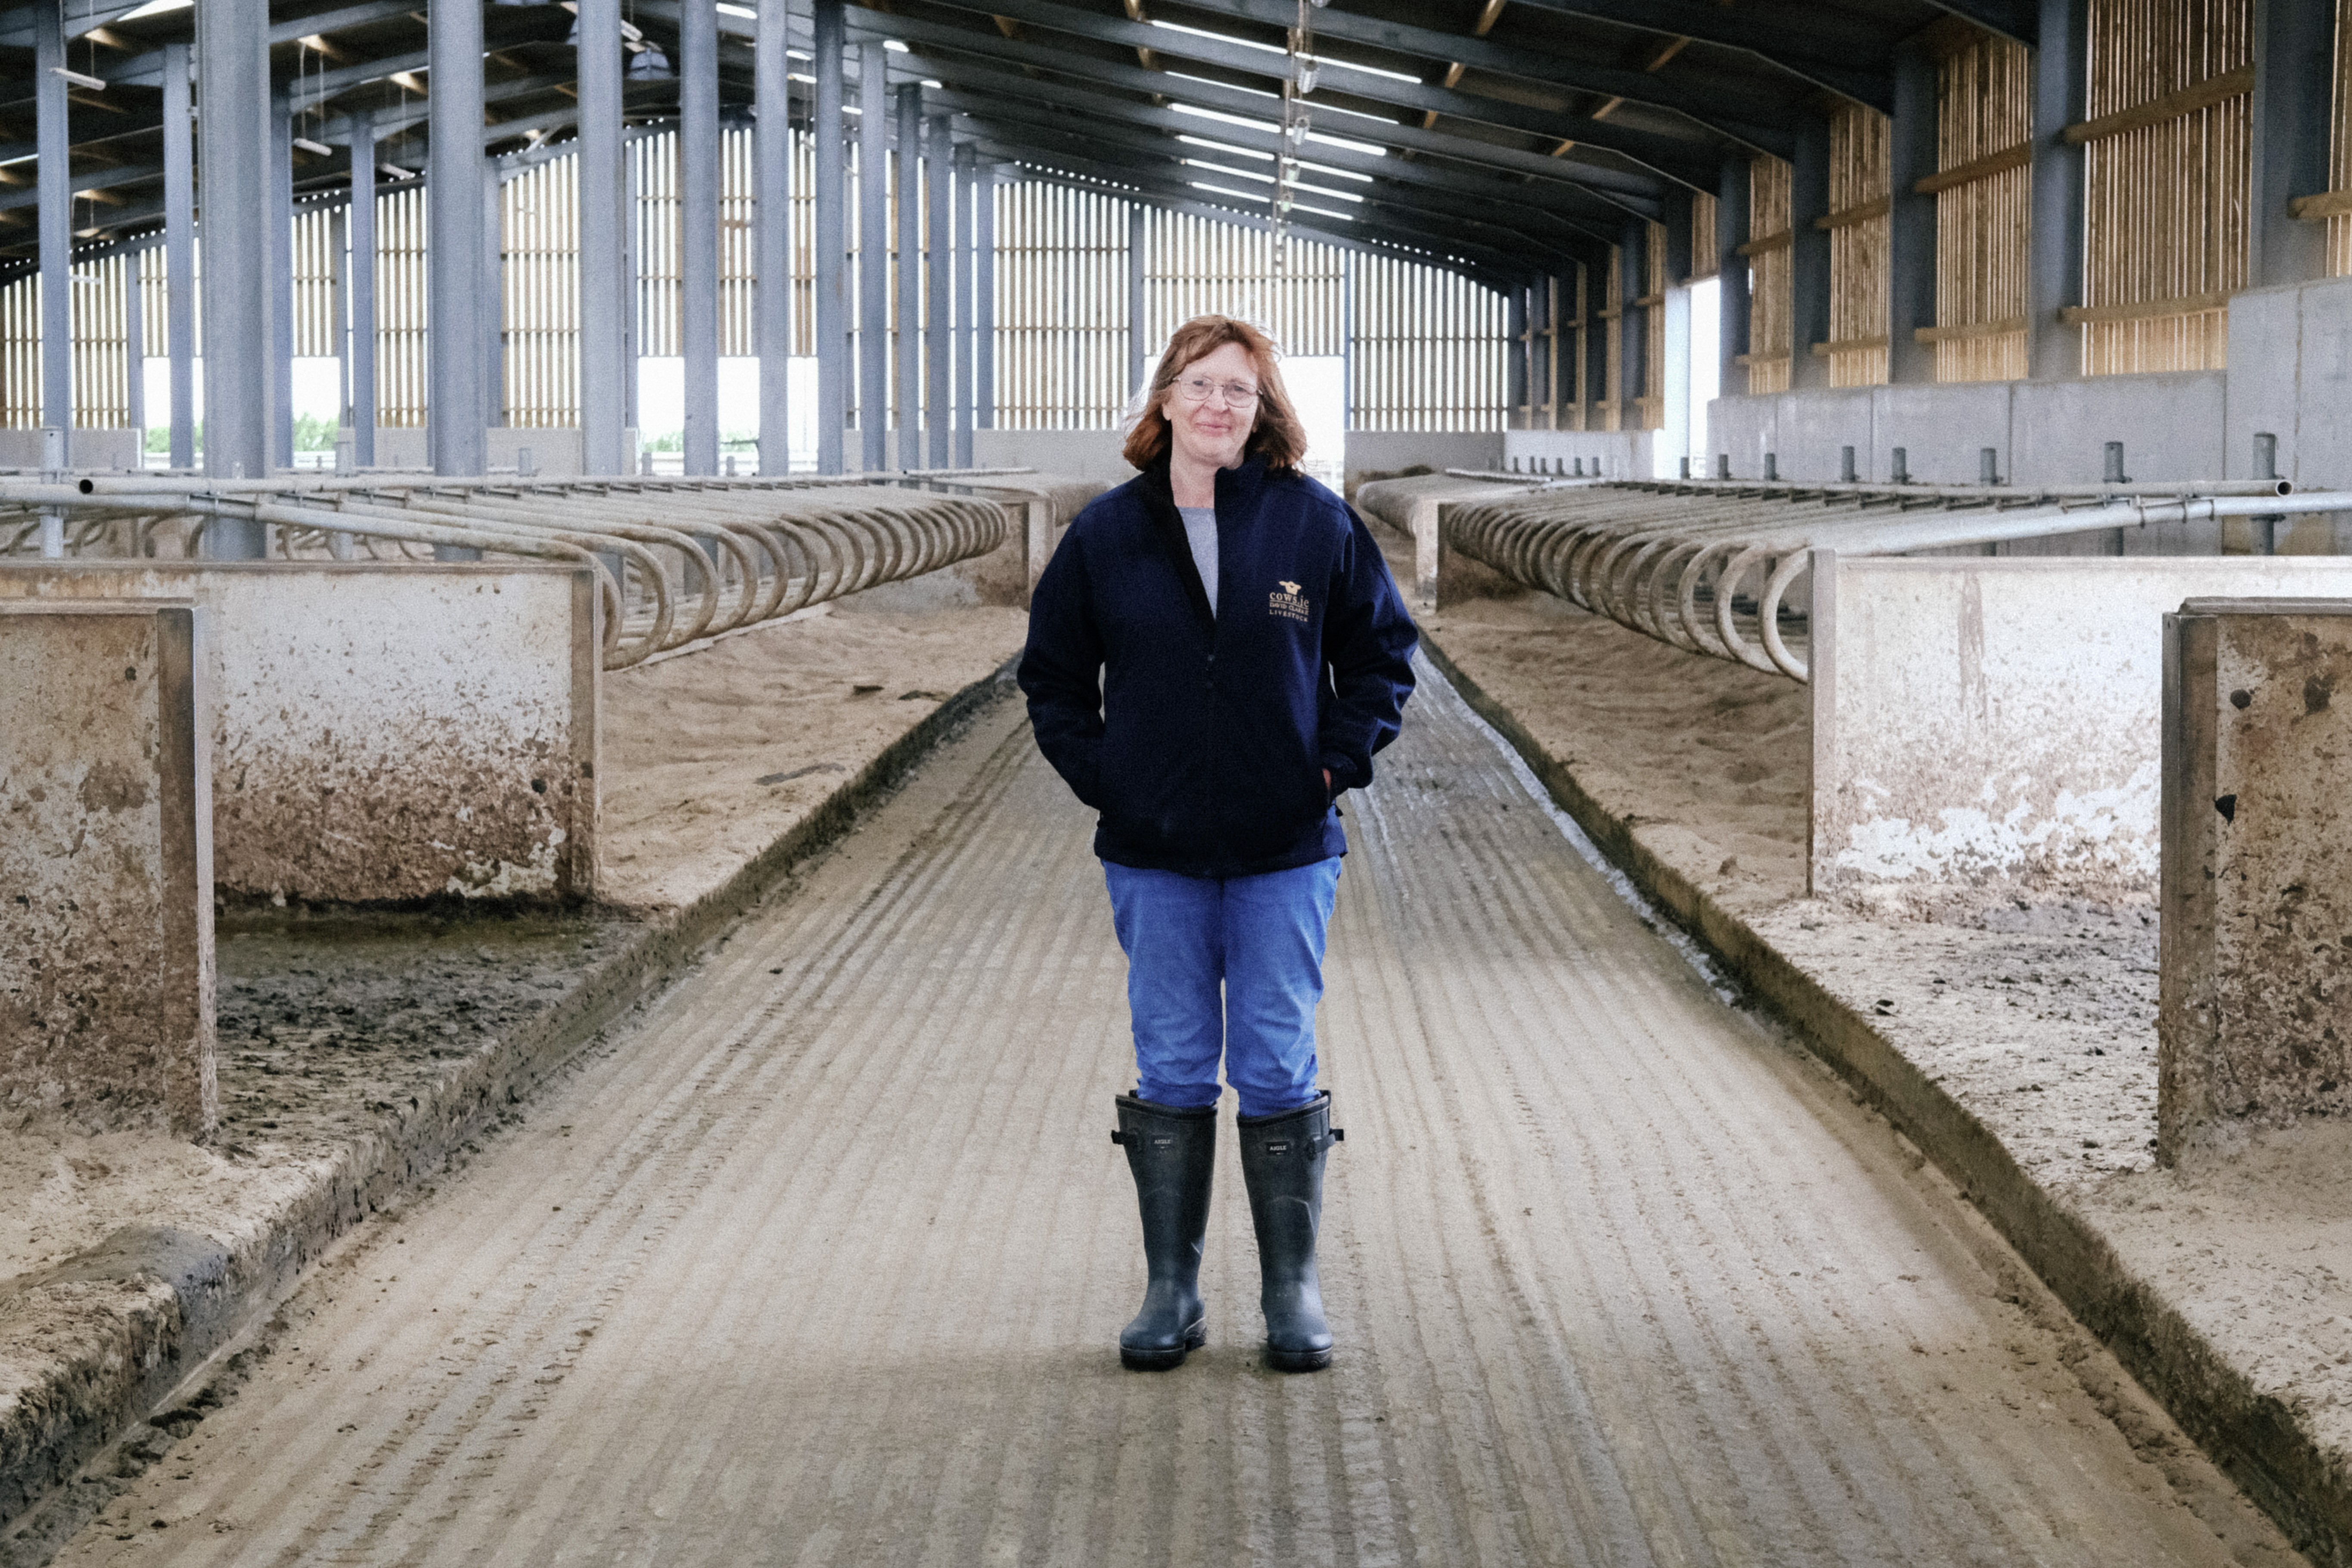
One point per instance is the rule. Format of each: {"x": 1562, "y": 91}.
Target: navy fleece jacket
{"x": 1202, "y": 740}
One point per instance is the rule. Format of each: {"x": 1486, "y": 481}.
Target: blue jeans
{"x": 1228, "y": 967}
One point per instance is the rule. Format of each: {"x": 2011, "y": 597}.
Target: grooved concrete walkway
{"x": 823, "y": 1265}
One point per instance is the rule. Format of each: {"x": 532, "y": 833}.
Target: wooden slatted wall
{"x": 1772, "y": 302}
{"x": 1984, "y": 219}
{"x": 1860, "y": 145}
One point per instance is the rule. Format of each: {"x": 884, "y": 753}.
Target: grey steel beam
{"x": 1664, "y": 157}
{"x": 983, "y": 308}
{"x": 1809, "y": 255}
{"x": 2053, "y": 270}
{"x": 967, "y": 189}
{"x": 873, "y": 258}
{"x": 1731, "y": 295}
{"x": 54, "y": 185}
{"x": 831, "y": 135}
{"x": 454, "y": 244}
{"x": 148, "y": 69}
{"x": 1746, "y": 119}
{"x": 938, "y": 340}
{"x": 362, "y": 292}
{"x": 2295, "y": 49}
{"x": 2015, "y": 20}
{"x": 179, "y": 250}
{"x": 1075, "y": 153}
{"x": 1138, "y": 240}
{"x": 1814, "y": 44}
{"x": 1911, "y": 218}
{"x": 909, "y": 260}
{"x": 605, "y": 299}
{"x": 232, "y": 66}
{"x": 698, "y": 93}
{"x": 1623, "y": 190}
{"x": 1449, "y": 192}
{"x": 771, "y": 237}
{"x": 281, "y": 281}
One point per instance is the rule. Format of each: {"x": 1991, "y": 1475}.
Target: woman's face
{"x": 1212, "y": 431}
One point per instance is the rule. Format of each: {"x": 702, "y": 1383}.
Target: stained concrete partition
{"x": 1983, "y": 726}
{"x": 386, "y": 731}
{"x": 1415, "y": 506}
{"x": 106, "y": 887}
{"x": 2254, "y": 1003}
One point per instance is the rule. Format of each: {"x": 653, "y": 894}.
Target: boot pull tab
{"x": 1337, "y": 1135}
{"x": 1117, "y": 1136}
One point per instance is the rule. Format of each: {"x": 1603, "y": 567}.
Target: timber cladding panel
{"x": 1984, "y": 208}
{"x": 2254, "y": 1010}
{"x": 1771, "y": 311}
{"x": 383, "y": 732}
{"x": 106, "y": 897}
{"x": 1860, "y": 150}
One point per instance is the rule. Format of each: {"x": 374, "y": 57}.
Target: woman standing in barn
{"x": 1215, "y": 653}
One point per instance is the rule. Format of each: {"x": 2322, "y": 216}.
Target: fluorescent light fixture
{"x": 1228, "y": 152}
{"x": 1318, "y": 190}
{"x": 1226, "y": 87}
{"x": 156, "y": 8}
{"x": 1341, "y": 141}
{"x": 1258, "y": 197}
{"x": 796, "y": 75}
{"x": 1368, "y": 70}
{"x": 1265, "y": 125}
{"x": 936, "y": 86}
{"x": 894, "y": 46}
{"x": 89, "y": 83}
{"x": 798, "y": 55}
{"x": 1222, "y": 37}
{"x": 407, "y": 79}
{"x": 319, "y": 147}
{"x": 1322, "y": 212}
{"x": 1221, "y": 169}
{"x": 1334, "y": 173}
{"x": 724, "y": 9}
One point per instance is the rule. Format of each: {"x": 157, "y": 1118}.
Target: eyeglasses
{"x": 1196, "y": 389}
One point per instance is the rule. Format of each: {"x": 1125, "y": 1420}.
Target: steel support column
{"x": 832, "y": 264}
{"x": 1732, "y": 286}
{"x": 604, "y": 299}
{"x": 873, "y": 257}
{"x": 939, "y": 341}
{"x": 907, "y": 255}
{"x": 983, "y": 304}
{"x": 454, "y": 245}
{"x": 772, "y": 237}
{"x": 1911, "y": 218}
{"x": 2053, "y": 270}
{"x": 232, "y": 63}
{"x": 1517, "y": 411}
{"x": 698, "y": 159}
{"x": 2295, "y": 73}
{"x": 281, "y": 280}
{"x": 179, "y": 250}
{"x": 1633, "y": 334}
{"x": 53, "y": 142}
{"x": 363, "y": 289}
{"x": 966, "y": 183}
{"x": 1809, "y": 255}
{"x": 134, "y": 352}
{"x": 1138, "y": 344}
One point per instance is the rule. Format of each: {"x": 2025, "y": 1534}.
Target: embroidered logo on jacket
{"x": 1288, "y": 602}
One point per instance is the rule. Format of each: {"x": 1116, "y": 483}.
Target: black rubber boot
{"x": 1173, "y": 1153}
{"x": 1282, "y": 1167}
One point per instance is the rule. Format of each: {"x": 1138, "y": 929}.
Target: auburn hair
{"x": 1277, "y": 438}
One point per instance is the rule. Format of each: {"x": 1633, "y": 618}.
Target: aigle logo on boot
{"x": 1288, "y": 602}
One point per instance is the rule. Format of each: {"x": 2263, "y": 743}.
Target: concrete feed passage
{"x": 824, "y": 1262}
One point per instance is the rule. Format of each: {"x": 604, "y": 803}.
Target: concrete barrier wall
{"x": 112, "y": 448}
{"x": 1981, "y": 725}
{"x": 2254, "y": 1005}
{"x": 1393, "y": 451}
{"x": 1080, "y": 454}
{"x": 1620, "y": 453}
{"x": 387, "y": 731}
{"x": 106, "y": 894}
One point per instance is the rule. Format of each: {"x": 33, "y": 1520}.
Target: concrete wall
{"x": 106, "y": 935}
{"x": 1614, "y": 453}
{"x": 1985, "y": 725}
{"x": 1393, "y": 451}
{"x": 2255, "y": 1013}
{"x": 1081, "y": 454}
{"x": 99, "y": 448}
{"x": 2291, "y": 376}
{"x": 386, "y": 731}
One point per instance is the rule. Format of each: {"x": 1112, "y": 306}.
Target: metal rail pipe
{"x": 1671, "y": 559}
{"x": 677, "y": 559}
